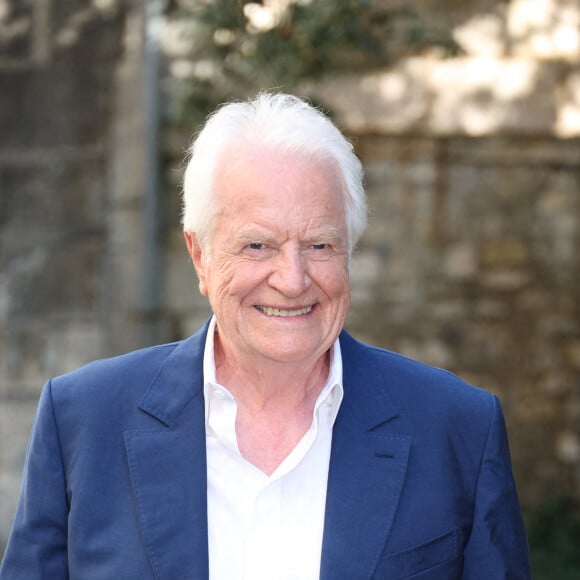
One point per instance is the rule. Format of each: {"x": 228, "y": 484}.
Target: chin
{"x": 290, "y": 355}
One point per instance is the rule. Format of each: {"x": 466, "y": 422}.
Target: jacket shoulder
{"x": 419, "y": 388}
{"x": 119, "y": 371}
{"x": 114, "y": 385}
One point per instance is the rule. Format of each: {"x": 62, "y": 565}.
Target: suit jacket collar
{"x": 367, "y": 469}
{"x": 179, "y": 382}
{"x": 168, "y": 468}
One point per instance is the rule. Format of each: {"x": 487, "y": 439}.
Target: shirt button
{"x": 218, "y": 395}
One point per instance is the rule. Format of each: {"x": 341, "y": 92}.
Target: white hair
{"x": 273, "y": 120}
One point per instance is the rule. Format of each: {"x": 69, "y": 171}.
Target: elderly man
{"x": 271, "y": 444}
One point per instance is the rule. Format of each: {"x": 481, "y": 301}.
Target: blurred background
{"x": 466, "y": 115}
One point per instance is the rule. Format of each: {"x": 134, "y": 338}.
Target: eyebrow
{"x": 331, "y": 234}
{"x": 252, "y": 233}
{"x": 328, "y": 234}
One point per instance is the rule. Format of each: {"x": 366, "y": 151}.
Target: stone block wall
{"x": 471, "y": 263}
{"x": 62, "y": 67}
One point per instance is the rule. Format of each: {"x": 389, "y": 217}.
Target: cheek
{"x": 234, "y": 280}
{"x": 333, "y": 279}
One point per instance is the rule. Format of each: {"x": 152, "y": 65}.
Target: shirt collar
{"x": 332, "y": 392}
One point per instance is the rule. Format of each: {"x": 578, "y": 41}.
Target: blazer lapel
{"x": 168, "y": 467}
{"x": 367, "y": 469}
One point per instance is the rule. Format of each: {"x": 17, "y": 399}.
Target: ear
{"x": 198, "y": 257}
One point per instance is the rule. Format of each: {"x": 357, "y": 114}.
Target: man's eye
{"x": 256, "y": 246}
{"x": 320, "y": 246}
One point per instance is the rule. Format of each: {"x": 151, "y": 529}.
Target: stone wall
{"x": 67, "y": 70}
{"x": 470, "y": 262}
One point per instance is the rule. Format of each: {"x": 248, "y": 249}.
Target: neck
{"x": 275, "y": 402}
{"x": 271, "y": 384}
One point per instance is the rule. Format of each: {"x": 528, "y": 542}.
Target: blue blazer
{"x": 420, "y": 483}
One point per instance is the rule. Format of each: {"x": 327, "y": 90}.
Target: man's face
{"x": 276, "y": 265}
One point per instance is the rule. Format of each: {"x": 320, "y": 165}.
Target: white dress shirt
{"x": 264, "y": 527}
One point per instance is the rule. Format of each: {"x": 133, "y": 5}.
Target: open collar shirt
{"x": 264, "y": 527}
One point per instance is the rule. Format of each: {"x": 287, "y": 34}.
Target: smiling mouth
{"x": 282, "y": 312}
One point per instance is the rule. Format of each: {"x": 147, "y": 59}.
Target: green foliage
{"x": 554, "y": 536}
{"x": 249, "y": 45}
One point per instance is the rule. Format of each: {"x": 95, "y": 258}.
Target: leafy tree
{"x": 239, "y": 46}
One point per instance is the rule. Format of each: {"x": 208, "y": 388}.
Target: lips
{"x": 284, "y": 313}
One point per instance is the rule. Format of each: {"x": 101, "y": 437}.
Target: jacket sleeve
{"x": 37, "y": 546}
{"x": 497, "y": 547}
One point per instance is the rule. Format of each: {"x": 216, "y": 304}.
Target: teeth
{"x": 284, "y": 313}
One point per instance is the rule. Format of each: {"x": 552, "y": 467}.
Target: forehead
{"x": 280, "y": 193}
{"x": 273, "y": 174}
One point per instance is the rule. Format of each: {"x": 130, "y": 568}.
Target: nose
{"x": 290, "y": 275}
